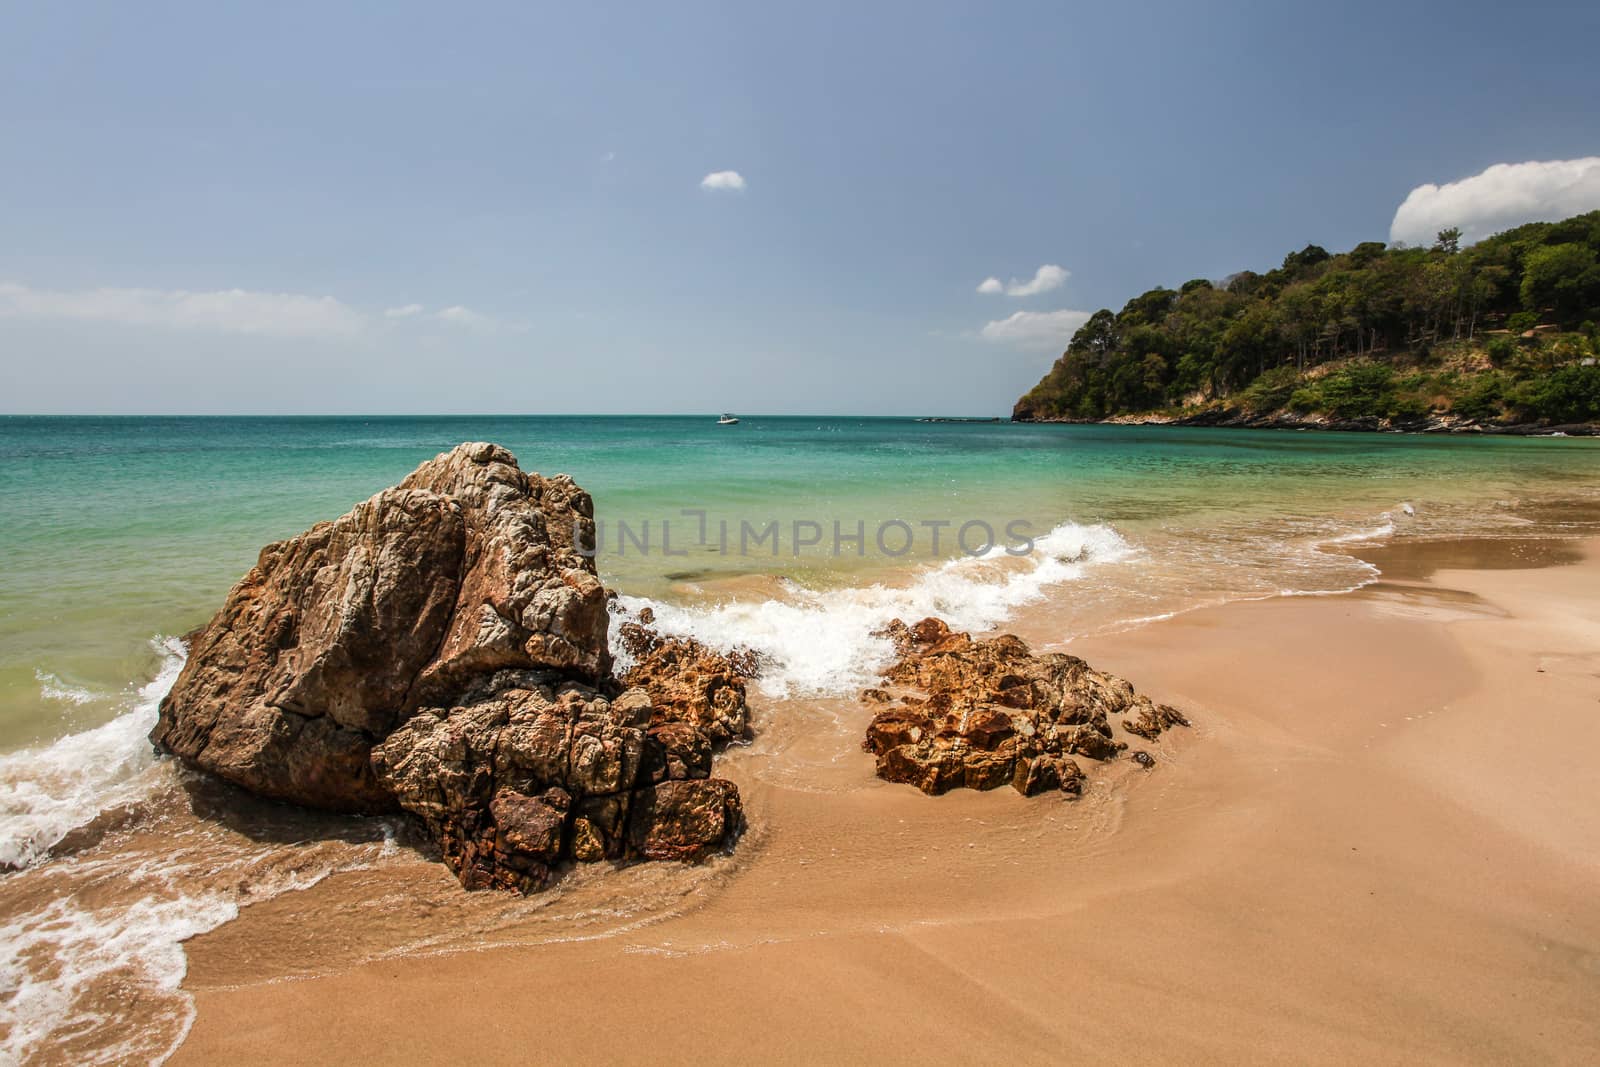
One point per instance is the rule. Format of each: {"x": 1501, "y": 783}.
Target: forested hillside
{"x": 1503, "y": 331}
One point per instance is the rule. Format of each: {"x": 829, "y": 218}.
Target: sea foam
{"x": 94, "y": 973}
{"x": 821, "y": 642}
{"x": 47, "y": 792}
{"x": 53, "y": 688}
{"x": 91, "y": 944}
{"x": 52, "y": 957}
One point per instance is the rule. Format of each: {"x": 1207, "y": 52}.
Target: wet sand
{"x": 1380, "y": 841}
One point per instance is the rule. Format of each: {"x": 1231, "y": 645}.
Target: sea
{"x": 796, "y": 536}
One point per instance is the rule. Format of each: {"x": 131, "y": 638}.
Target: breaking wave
{"x": 47, "y": 792}
{"x": 821, "y": 642}
{"x": 109, "y": 875}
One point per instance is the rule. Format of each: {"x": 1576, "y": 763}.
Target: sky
{"x": 854, "y": 208}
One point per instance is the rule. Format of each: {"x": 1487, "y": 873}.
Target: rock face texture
{"x": 689, "y": 683}
{"x": 524, "y": 770}
{"x": 442, "y": 649}
{"x": 988, "y": 713}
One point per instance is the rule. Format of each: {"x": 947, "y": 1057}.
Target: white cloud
{"x": 225, "y": 310}
{"x": 1044, "y": 279}
{"x": 730, "y": 180}
{"x": 1503, "y": 196}
{"x": 454, "y": 315}
{"x": 1036, "y": 329}
{"x": 464, "y": 316}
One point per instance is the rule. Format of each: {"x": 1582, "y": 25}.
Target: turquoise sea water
{"x": 116, "y": 530}
{"x": 118, "y": 534}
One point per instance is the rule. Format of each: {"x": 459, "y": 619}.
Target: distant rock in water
{"x": 442, "y": 649}
{"x": 983, "y": 714}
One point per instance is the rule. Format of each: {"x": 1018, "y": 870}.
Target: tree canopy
{"x": 1208, "y": 342}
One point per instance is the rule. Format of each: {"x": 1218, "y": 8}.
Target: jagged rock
{"x": 897, "y": 727}
{"x": 1152, "y": 719}
{"x": 338, "y": 634}
{"x": 987, "y": 713}
{"x": 598, "y": 828}
{"x": 524, "y": 734}
{"x": 1143, "y": 759}
{"x": 676, "y": 750}
{"x": 1040, "y": 774}
{"x": 531, "y": 734}
{"x": 930, "y": 768}
{"x": 442, "y": 649}
{"x": 686, "y": 820}
{"x": 688, "y": 682}
{"x": 529, "y": 827}
{"x": 523, "y": 731}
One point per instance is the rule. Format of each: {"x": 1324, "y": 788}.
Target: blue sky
{"x": 396, "y": 207}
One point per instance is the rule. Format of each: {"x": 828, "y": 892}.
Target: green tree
{"x": 1571, "y": 394}
{"x": 1097, "y": 337}
{"x": 1563, "y": 278}
{"x": 1307, "y": 257}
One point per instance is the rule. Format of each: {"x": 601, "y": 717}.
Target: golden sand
{"x": 1380, "y": 842}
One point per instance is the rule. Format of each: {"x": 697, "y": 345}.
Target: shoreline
{"x": 1234, "y": 419}
{"x": 1383, "y": 862}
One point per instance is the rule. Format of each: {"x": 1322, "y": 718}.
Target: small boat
{"x": 728, "y": 420}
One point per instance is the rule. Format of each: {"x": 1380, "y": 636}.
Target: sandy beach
{"x": 724, "y": 534}
{"x": 1379, "y": 842}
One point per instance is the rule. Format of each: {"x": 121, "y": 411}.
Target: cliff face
{"x": 1027, "y": 410}
{"x": 442, "y": 649}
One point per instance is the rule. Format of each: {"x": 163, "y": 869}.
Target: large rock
{"x": 442, "y": 649}
{"x": 981, "y": 714}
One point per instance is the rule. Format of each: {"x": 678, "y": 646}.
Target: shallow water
{"x": 119, "y": 529}
{"x": 119, "y": 533}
